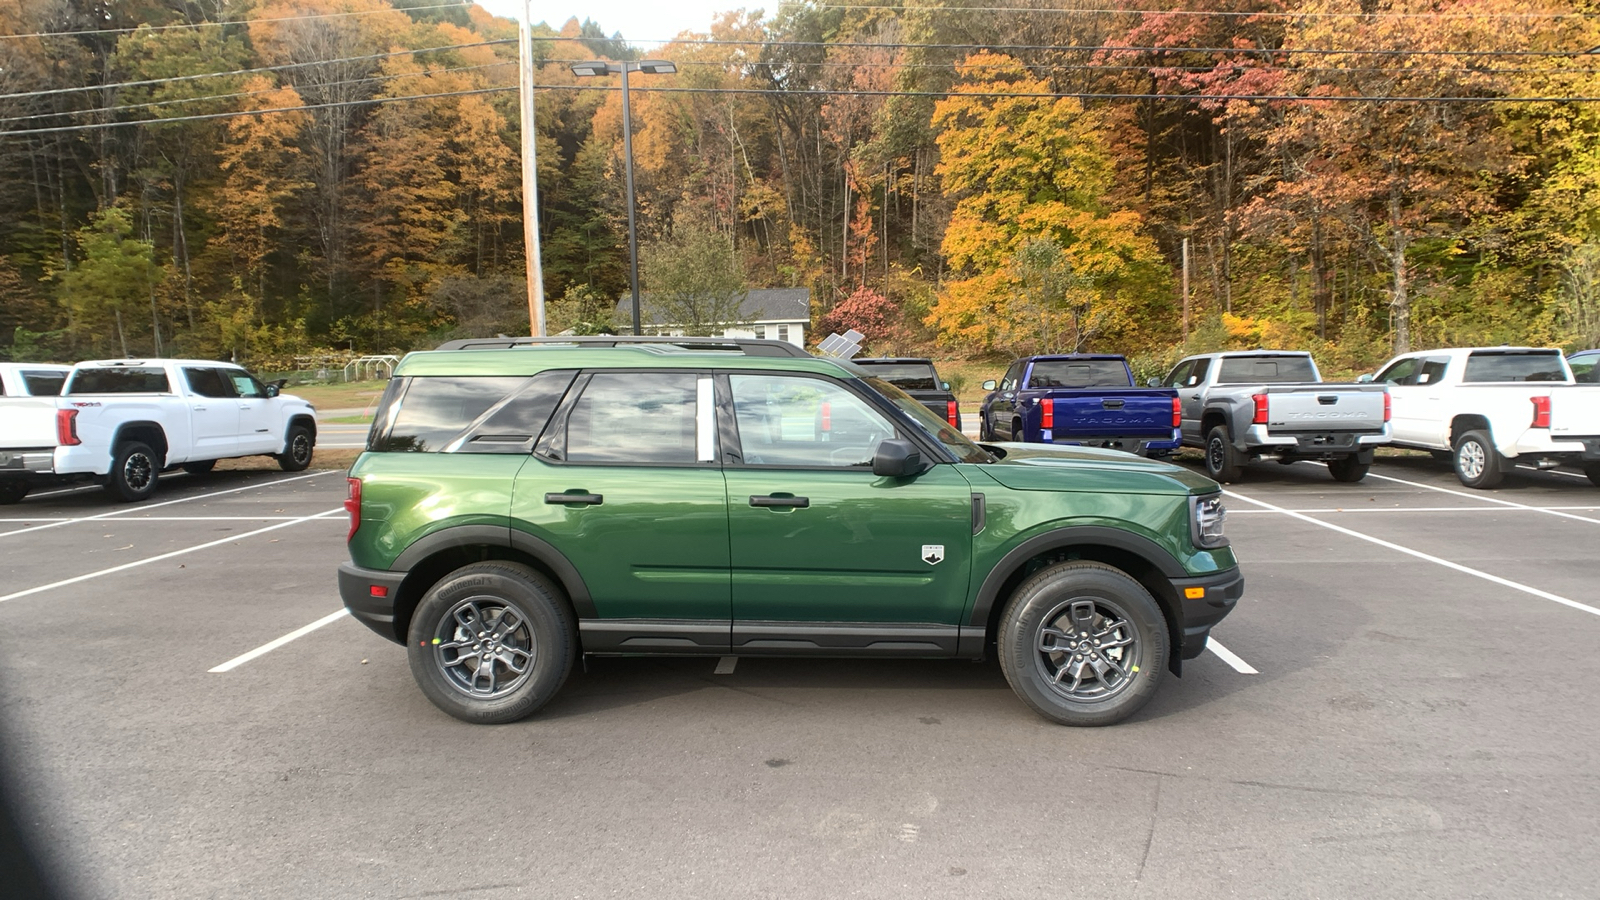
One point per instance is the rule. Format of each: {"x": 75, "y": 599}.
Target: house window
{"x": 761, "y": 332}
{"x": 783, "y": 332}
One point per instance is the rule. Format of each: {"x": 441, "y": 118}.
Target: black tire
{"x": 200, "y": 466}
{"x": 542, "y": 635}
{"x": 13, "y": 492}
{"x": 1477, "y": 462}
{"x": 1093, "y": 599}
{"x": 1349, "y": 469}
{"x": 1222, "y": 461}
{"x": 1592, "y": 470}
{"x": 134, "y": 472}
{"x": 984, "y": 434}
{"x": 1016, "y": 431}
{"x": 298, "y": 448}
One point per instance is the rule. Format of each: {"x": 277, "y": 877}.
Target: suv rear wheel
{"x": 1083, "y": 644}
{"x": 491, "y": 642}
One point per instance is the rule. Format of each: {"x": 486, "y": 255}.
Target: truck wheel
{"x": 984, "y": 434}
{"x": 1348, "y": 469}
{"x": 491, "y": 643}
{"x": 1477, "y": 461}
{"x": 134, "y": 471}
{"x": 1222, "y": 461}
{"x": 1016, "y": 431}
{"x": 1592, "y": 470}
{"x": 1083, "y": 644}
{"x": 200, "y": 466}
{"x": 298, "y": 448}
{"x": 14, "y": 491}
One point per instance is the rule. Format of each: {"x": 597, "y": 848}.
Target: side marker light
{"x": 1194, "y": 593}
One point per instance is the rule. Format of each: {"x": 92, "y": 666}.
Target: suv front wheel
{"x": 1083, "y": 644}
{"x": 491, "y": 642}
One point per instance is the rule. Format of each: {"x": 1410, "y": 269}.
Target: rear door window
{"x": 1433, "y": 370}
{"x": 642, "y": 418}
{"x": 206, "y": 382}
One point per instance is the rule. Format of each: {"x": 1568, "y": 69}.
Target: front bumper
{"x": 360, "y": 588}
{"x": 1214, "y": 597}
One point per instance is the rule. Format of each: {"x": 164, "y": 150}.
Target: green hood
{"x": 1045, "y": 467}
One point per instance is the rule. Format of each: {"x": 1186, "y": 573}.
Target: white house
{"x": 779, "y": 314}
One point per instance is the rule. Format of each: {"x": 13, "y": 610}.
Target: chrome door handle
{"x": 199, "y": 409}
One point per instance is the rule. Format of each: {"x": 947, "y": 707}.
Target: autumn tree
{"x": 117, "y": 274}
{"x": 693, "y": 281}
{"x": 880, "y": 321}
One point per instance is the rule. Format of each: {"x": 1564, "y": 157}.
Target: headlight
{"x": 1206, "y": 515}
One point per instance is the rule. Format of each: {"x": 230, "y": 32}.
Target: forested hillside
{"x": 267, "y": 179}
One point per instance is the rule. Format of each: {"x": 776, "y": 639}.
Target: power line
{"x": 1194, "y": 13}
{"x": 188, "y": 25}
{"x": 256, "y": 71}
{"x": 1151, "y": 67}
{"x": 240, "y": 94}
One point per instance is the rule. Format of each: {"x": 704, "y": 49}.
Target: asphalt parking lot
{"x": 1406, "y": 707}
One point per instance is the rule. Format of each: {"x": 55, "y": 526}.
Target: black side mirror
{"x": 896, "y": 458}
{"x": 272, "y": 390}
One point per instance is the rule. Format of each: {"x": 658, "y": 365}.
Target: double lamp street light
{"x": 648, "y": 67}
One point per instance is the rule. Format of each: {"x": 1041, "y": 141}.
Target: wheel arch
{"x": 148, "y": 432}
{"x": 1468, "y": 422}
{"x": 442, "y": 552}
{"x": 306, "y": 419}
{"x": 1137, "y": 556}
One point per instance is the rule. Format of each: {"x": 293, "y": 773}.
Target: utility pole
{"x": 1186, "y": 290}
{"x": 530, "y": 178}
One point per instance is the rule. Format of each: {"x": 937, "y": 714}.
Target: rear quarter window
{"x": 427, "y": 413}
{"x": 120, "y": 380}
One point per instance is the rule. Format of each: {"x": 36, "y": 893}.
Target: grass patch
{"x": 340, "y": 395}
{"x": 347, "y": 420}
{"x": 321, "y": 459}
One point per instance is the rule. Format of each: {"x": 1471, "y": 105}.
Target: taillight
{"x": 1177, "y": 413}
{"x": 1260, "y": 418}
{"x": 1541, "y": 412}
{"x": 67, "y": 427}
{"x": 1048, "y": 417}
{"x": 352, "y": 505}
{"x": 1386, "y": 412}
{"x": 827, "y": 416}
{"x": 951, "y": 414}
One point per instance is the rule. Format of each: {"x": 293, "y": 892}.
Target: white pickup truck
{"x": 32, "y": 379}
{"x": 121, "y": 422}
{"x": 1489, "y": 408}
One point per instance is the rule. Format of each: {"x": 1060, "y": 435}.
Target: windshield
{"x": 953, "y": 440}
{"x": 908, "y": 376}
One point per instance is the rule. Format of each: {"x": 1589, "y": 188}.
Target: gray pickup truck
{"x": 1241, "y": 405}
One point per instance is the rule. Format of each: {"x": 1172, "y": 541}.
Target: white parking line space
{"x": 1468, "y": 570}
{"x": 128, "y": 511}
{"x": 143, "y": 562}
{"x": 1482, "y": 498}
{"x": 274, "y": 644}
{"x": 725, "y": 665}
{"x": 1229, "y": 657}
{"x": 1410, "y": 509}
{"x": 157, "y": 519}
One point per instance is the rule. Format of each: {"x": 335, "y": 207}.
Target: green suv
{"x": 517, "y": 508}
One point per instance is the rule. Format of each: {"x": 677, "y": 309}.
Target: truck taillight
{"x": 352, "y": 505}
{"x": 1177, "y": 413}
{"x": 67, "y": 427}
{"x": 1260, "y": 418}
{"x": 1386, "y": 411}
{"x": 827, "y": 416}
{"x": 1541, "y": 412}
{"x": 952, "y": 415}
{"x": 1047, "y": 417}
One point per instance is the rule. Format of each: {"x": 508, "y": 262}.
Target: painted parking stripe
{"x": 1408, "y": 509}
{"x": 1229, "y": 657}
{"x": 143, "y": 562}
{"x": 1468, "y": 570}
{"x": 272, "y": 645}
{"x": 69, "y": 519}
{"x": 1479, "y": 496}
{"x": 145, "y": 506}
{"x": 725, "y": 665}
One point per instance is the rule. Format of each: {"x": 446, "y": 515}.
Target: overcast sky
{"x": 642, "y": 22}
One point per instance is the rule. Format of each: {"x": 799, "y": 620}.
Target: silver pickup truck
{"x": 1241, "y": 405}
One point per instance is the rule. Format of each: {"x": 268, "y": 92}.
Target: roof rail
{"x": 746, "y": 346}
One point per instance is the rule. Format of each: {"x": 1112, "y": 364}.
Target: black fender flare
{"x": 509, "y": 538}
{"x": 165, "y": 447}
{"x": 1069, "y": 536}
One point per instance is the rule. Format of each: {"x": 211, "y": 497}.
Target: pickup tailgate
{"x": 1112, "y": 412}
{"x": 27, "y": 423}
{"x": 1325, "y": 407}
{"x": 1575, "y": 412}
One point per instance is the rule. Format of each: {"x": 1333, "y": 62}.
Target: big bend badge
{"x": 933, "y": 554}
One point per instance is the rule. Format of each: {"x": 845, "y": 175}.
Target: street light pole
{"x": 649, "y": 67}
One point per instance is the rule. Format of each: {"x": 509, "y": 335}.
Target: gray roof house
{"x": 781, "y": 314}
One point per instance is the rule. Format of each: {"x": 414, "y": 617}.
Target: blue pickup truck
{"x": 1087, "y": 399}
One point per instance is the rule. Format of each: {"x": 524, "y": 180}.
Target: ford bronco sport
{"x": 516, "y": 508}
